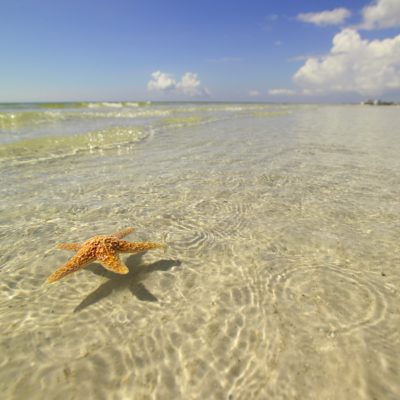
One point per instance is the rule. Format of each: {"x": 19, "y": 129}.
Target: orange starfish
{"x": 103, "y": 249}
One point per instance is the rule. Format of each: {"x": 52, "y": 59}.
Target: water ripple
{"x": 333, "y": 299}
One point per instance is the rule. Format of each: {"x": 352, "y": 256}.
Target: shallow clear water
{"x": 281, "y": 278}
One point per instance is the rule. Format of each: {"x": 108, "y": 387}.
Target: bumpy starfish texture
{"x": 105, "y": 250}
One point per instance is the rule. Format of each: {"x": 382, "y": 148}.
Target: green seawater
{"x": 40, "y": 148}
{"x": 182, "y": 121}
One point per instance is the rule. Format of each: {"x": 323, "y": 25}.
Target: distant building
{"x": 377, "y": 102}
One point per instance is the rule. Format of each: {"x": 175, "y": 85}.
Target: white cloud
{"x": 281, "y": 92}
{"x": 161, "y": 81}
{"x": 333, "y": 17}
{"x": 381, "y": 14}
{"x": 189, "y": 84}
{"x": 253, "y": 93}
{"x": 353, "y": 65}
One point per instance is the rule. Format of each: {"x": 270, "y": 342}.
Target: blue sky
{"x": 300, "y": 51}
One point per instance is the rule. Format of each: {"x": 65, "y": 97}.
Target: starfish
{"x": 103, "y": 249}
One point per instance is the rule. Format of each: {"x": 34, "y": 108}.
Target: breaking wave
{"x": 43, "y": 148}
{"x": 13, "y": 120}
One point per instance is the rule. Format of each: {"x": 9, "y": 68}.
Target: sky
{"x": 209, "y": 50}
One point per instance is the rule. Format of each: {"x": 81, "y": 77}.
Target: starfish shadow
{"x": 131, "y": 281}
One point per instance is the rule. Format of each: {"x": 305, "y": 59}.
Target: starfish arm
{"x": 138, "y": 247}
{"x": 69, "y": 246}
{"x": 123, "y": 232}
{"x": 114, "y": 264}
{"x": 74, "y": 264}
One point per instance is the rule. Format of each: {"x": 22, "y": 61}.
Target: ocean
{"x": 281, "y": 278}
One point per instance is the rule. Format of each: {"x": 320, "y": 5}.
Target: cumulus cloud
{"x": 353, "y": 65}
{"x": 161, "y": 81}
{"x": 189, "y": 84}
{"x": 333, "y": 17}
{"x": 381, "y": 14}
{"x": 281, "y": 92}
